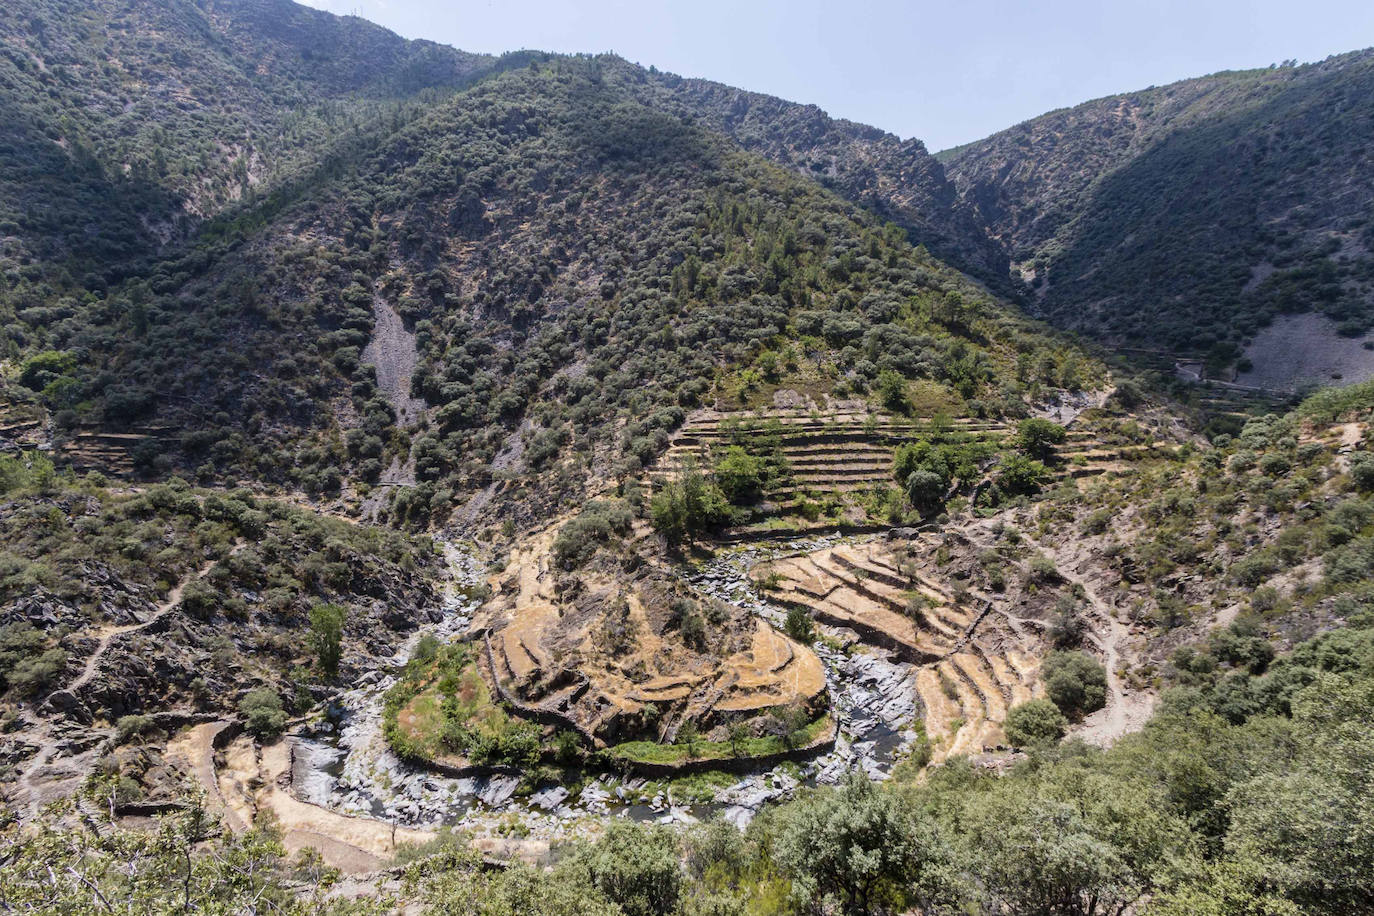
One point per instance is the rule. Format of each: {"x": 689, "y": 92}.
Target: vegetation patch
{"x": 441, "y": 709}
{"x": 690, "y": 748}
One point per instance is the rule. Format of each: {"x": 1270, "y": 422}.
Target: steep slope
{"x": 1189, "y": 215}
{"x": 577, "y": 265}
{"x": 896, "y": 179}
{"x": 126, "y": 124}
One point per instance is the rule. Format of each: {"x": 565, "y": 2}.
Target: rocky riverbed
{"x": 346, "y": 766}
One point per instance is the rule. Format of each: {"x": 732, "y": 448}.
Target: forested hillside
{"x": 574, "y": 252}
{"x": 128, "y": 124}
{"x": 1189, "y": 215}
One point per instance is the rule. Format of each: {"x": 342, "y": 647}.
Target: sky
{"x": 947, "y": 73}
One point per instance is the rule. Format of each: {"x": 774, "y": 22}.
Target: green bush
{"x": 1038, "y": 437}
{"x": 594, "y": 526}
{"x": 19, "y": 642}
{"x": 1076, "y": 682}
{"x": 635, "y": 868}
{"x": 34, "y": 674}
{"x": 688, "y": 506}
{"x": 1362, "y": 471}
{"x": 799, "y": 626}
{"x": 326, "y": 636}
{"x": 739, "y": 475}
{"x": 262, "y": 712}
{"x": 1034, "y": 723}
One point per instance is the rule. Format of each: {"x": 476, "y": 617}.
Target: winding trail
{"x": 77, "y": 765}
{"x": 163, "y": 609}
{"x": 1126, "y": 711}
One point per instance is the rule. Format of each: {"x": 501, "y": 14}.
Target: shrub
{"x": 1020, "y": 475}
{"x": 739, "y": 475}
{"x": 18, "y": 641}
{"x": 891, "y": 389}
{"x": 1362, "y": 471}
{"x": 34, "y": 674}
{"x": 1034, "y": 723}
{"x": 1067, "y": 625}
{"x": 1076, "y": 682}
{"x": 595, "y": 525}
{"x": 326, "y": 635}
{"x": 635, "y": 867}
{"x": 132, "y": 727}
{"x": 1038, "y": 437}
{"x": 799, "y": 626}
{"x": 862, "y": 848}
{"x": 262, "y": 712}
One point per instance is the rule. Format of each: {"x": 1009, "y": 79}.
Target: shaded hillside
{"x": 1187, "y": 216}
{"x": 124, "y": 124}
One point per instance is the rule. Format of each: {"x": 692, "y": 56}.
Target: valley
{"x": 447, "y": 484}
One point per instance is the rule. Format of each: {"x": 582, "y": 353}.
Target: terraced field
{"x": 611, "y": 661}
{"x": 970, "y": 669}
{"x": 82, "y": 449}
{"x": 829, "y": 457}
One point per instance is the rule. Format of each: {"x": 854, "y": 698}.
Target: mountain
{"x": 436, "y": 468}
{"x": 554, "y": 260}
{"x": 896, "y": 179}
{"x": 127, "y": 124}
{"x": 1188, "y": 216}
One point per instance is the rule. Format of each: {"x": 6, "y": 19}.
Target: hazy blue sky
{"x": 945, "y": 72}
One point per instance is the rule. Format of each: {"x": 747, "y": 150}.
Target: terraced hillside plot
{"x": 611, "y": 660}
{"x": 830, "y": 457}
{"x": 970, "y": 671}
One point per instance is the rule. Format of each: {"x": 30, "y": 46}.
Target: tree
{"x": 740, "y": 476}
{"x": 739, "y": 733}
{"x": 262, "y": 712}
{"x": 181, "y": 863}
{"x": 326, "y": 635}
{"x": 1033, "y": 854}
{"x": 687, "y": 734}
{"x": 799, "y": 626}
{"x": 860, "y": 848}
{"x": 1034, "y": 723}
{"x": 891, "y": 389}
{"x": 1019, "y": 475}
{"x": 1037, "y": 437}
{"x": 1076, "y": 682}
{"x": 926, "y": 489}
{"x": 635, "y": 867}
{"x": 1362, "y": 471}
{"x": 688, "y": 506}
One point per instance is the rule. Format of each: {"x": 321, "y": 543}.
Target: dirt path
{"x": 42, "y": 779}
{"x": 250, "y": 782}
{"x": 196, "y": 749}
{"x": 26, "y": 782}
{"x": 392, "y": 352}
{"x": 109, "y": 634}
{"x": 1126, "y": 710}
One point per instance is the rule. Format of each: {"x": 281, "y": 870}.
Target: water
{"x": 348, "y": 767}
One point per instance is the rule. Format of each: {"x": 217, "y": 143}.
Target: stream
{"x": 346, "y": 766}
